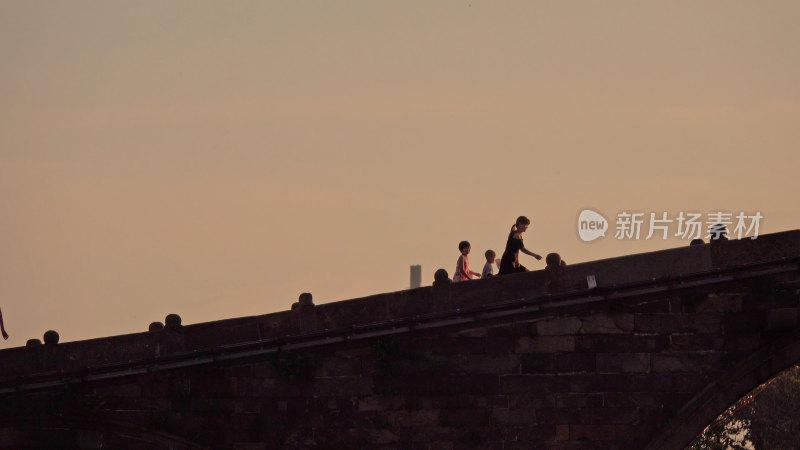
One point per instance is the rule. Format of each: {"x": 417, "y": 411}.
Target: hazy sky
{"x": 215, "y": 159}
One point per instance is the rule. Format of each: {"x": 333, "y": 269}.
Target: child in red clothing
{"x": 462, "y": 266}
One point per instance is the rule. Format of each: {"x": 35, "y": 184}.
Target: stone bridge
{"x": 647, "y": 358}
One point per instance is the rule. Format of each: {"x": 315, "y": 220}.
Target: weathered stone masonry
{"x": 664, "y": 343}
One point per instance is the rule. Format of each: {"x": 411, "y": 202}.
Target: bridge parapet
{"x": 665, "y": 265}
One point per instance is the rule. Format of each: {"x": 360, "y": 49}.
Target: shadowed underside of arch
{"x": 723, "y": 392}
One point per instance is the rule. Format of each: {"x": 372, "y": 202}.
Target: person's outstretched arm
{"x": 527, "y": 252}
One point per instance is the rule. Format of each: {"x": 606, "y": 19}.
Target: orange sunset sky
{"x": 215, "y": 159}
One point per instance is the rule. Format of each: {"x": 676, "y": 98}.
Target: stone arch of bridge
{"x": 721, "y": 393}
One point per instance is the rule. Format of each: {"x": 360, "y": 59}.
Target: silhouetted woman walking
{"x": 510, "y": 260}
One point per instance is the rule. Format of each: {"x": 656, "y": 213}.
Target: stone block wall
{"x": 608, "y": 377}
